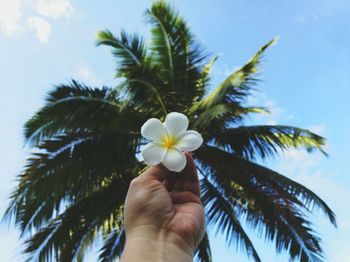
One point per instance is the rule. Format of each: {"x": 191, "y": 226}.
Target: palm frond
{"x": 129, "y": 50}
{"x": 251, "y": 142}
{"x": 141, "y": 76}
{"x": 68, "y": 173}
{"x": 232, "y": 91}
{"x": 178, "y": 58}
{"x": 64, "y": 235}
{"x": 204, "y": 79}
{"x": 203, "y": 251}
{"x": 244, "y": 173}
{"x": 161, "y": 42}
{"x": 86, "y": 243}
{"x": 269, "y": 202}
{"x": 237, "y": 85}
{"x": 220, "y": 212}
{"x": 221, "y": 116}
{"x": 75, "y": 108}
{"x": 113, "y": 246}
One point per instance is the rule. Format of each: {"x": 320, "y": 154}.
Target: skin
{"x": 164, "y": 217}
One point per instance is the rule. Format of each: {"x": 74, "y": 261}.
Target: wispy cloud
{"x": 10, "y": 14}
{"x": 15, "y": 19}
{"x": 54, "y": 8}
{"x": 222, "y": 73}
{"x": 42, "y": 28}
{"x": 299, "y": 162}
{"x": 313, "y": 11}
{"x": 277, "y": 114}
{"x": 318, "y": 129}
{"x": 85, "y": 74}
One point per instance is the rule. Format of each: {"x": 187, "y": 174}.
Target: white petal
{"x": 153, "y": 153}
{"x": 153, "y": 130}
{"x": 174, "y": 160}
{"x": 189, "y": 141}
{"x": 176, "y": 123}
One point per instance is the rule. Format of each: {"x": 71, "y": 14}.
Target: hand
{"x": 164, "y": 217}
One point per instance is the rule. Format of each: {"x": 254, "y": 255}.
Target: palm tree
{"x": 86, "y": 142}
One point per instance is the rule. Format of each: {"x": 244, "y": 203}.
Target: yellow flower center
{"x": 169, "y": 142}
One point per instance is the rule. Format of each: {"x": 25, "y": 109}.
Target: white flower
{"x": 169, "y": 140}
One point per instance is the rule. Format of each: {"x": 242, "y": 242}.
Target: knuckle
{"x": 135, "y": 182}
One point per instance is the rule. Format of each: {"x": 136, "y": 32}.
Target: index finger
{"x": 157, "y": 172}
{"x": 190, "y": 176}
{"x": 190, "y": 170}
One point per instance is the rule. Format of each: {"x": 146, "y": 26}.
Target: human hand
{"x": 163, "y": 217}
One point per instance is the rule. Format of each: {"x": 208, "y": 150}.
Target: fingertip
{"x": 190, "y": 169}
{"x": 188, "y": 155}
{"x": 189, "y": 160}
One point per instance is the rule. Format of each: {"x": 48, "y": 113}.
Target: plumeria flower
{"x": 169, "y": 141}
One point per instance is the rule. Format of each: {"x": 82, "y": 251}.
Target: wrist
{"x": 148, "y": 245}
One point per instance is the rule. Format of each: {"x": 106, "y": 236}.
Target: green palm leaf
{"x": 65, "y": 233}
{"x": 228, "y": 96}
{"x": 140, "y": 73}
{"x": 59, "y": 183}
{"x": 75, "y": 108}
{"x": 176, "y": 55}
{"x": 237, "y": 85}
{"x": 268, "y": 201}
{"x": 113, "y": 246}
{"x": 220, "y": 212}
{"x": 129, "y": 50}
{"x": 203, "y": 251}
{"x": 161, "y": 45}
{"x": 258, "y": 175}
{"x": 265, "y": 141}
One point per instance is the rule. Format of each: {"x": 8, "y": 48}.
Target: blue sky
{"x": 305, "y": 82}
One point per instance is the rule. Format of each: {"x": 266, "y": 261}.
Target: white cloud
{"x": 54, "y": 8}
{"x": 10, "y": 14}
{"x": 278, "y": 115}
{"x": 42, "y": 28}
{"x": 300, "y": 162}
{"x": 84, "y": 73}
{"x": 318, "y": 129}
{"x": 314, "y": 11}
{"x": 222, "y": 73}
{"x": 12, "y": 19}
